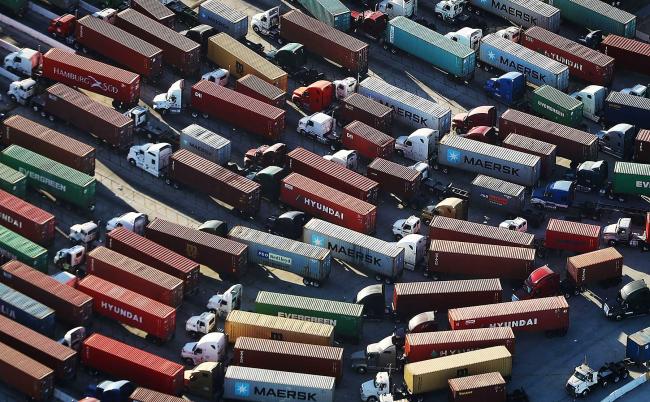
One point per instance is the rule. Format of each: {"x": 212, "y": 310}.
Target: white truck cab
{"x": 24, "y": 61}
{"x": 133, "y": 221}
{"x": 470, "y": 37}
{"x": 223, "y": 303}
{"x": 449, "y": 9}
{"x": 511, "y": 33}
{"x": 415, "y": 250}
{"x": 210, "y": 348}
{"x": 346, "y": 158}
{"x": 345, "y": 87}
{"x": 201, "y": 324}
{"x": 397, "y": 8}
{"x": 419, "y": 145}
{"x": 593, "y": 99}
{"x": 170, "y": 102}
{"x": 73, "y": 338}
{"x": 319, "y": 126}
{"x": 68, "y": 259}
{"x": 22, "y": 91}
{"x": 152, "y": 158}
{"x": 637, "y": 90}
{"x": 219, "y": 76}
{"x": 372, "y": 390}
{"x": 107, "y": 14}
{"x": 403, "y": 227}
{"x": 267, "y": 22}
{"x": 84, "y": 233}
{"x": 518, "y": 224}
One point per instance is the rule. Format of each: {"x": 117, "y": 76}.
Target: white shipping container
{"x": 525, "y": 13}
{"x": 206, "y": 144}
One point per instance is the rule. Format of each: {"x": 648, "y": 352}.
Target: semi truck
{"x": 584, "y": 379}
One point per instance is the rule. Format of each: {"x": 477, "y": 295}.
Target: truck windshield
{"x": 580, "y": 376}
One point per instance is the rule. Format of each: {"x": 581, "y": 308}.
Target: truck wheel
{"x": 361, "y": 370}
{"x": 604, "y": 383}
{"x": 625, "y": 374}
{"x": 256, "y": 29}
{"x": 584, "y": 393}
{"x": 189, "y": 362}
{"x": 13, "y": 98}
{"x": 132, "y": 162}
{"x": 619, "y": 317}
{"x": 611, "y": 242}
{"x": 371, "y": 399}
{"x": 303, "y": 133}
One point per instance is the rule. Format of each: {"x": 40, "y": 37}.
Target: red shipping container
{"x": 147, "y": 395}
{"x": 155, "y": 10}
{"x": 443, "y": 228}
{"x": 26, "y": 219}
{"x": 629, "y": 53}
{"x": 123, "y": 361}
{"x": 544, "y": 314}
{"x": 584, "y": 63}
{"x": 428, "y": 345}
{"x": 364, "y": 109}
{"x": 70, "y": 305}
{"x": 238, "y": 109}
{"x": 411, "y": 298}
{"x": 367, "y": 141}
{"x": 332, "y": 174}
{"x": 488, "y": 387}
{"x": 572, "y": 236}
{"x": 327, "y": 203}
{"x": 599, "y": 265}
{"x": 255, "y": 87}
{"x": 642, "y": 147}
{"x": 394, "y": 178}
{"x": 225, "y": 256}
{"x": 130, "y": 308}
{"x": 547, "y": 152}
{"x": 153, "y": 254}
{"x": 136, "y": 276}
{"x": 25, "y": 374}
{"x": 79, "y": 71}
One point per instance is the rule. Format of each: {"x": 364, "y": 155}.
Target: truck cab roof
{"x": 381, "y": 346}
{"x": 539, "y": 274}
{"x": 632, "y": 288}
{"x": 561, "y": 185}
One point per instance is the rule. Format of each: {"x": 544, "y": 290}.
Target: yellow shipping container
{"x": 433, "y": 374}
{"x": 228, "y": 53}
{"x": 254, "y": 325}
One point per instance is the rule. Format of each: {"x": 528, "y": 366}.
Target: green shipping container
{"x": 18, "y": 7}
{"x": 631, "y": 178}
{"x": 12, "y": 181}
{"x": 59, "y": 180}
{"x": 13, "y": 245}
{"x": 332, "y": 12}
{"x": 555, "y": 105}
{"x": 347, "y": 318}
{"x": 595, "y": 14}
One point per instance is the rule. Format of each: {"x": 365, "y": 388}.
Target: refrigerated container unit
{"x": 523, "y": 13}
{"x": 255, "y": 87}
{"x": 556, "y": 106}
{"x": 26, "y": 219}
{"x": 14, "y": 246}
{"x": 52, "y": 144}
{"x": 148, "y": 395}
{"x": 572, "y": 236}
{"x": 331, "y": 12}
{"x": 584, "y": 63}
{"x": 445, "y": 54}
{"x": 642, "y": 147}
{"x": 12, "y": 181}
{"x": 347, "y": 318}
{"x": 478, "y": 157}
{"x": 155, "y": 10}
{"x": 70, "y": 305}
{"x": 369, "y": 142}
{"x": 631, "y": 178}
{"x": 596, "y": 266}
{"x": 224, "y": 18}
{"x": 361, "y": 108}
{"x": 26, "y": 311}
{"x": 325, "y": 41}
{"x": 496, "y": 193}
{"x": 62, "y": 182}
{"x": 546, "y": 151}
{"x": 394, "y": 178}
{"x": 357, "y": 249}
{"x": 505, "y": 55}
{"x": 637, "y": 346}
{"x": 629, "y": 54}
{"x": 627, "y": 108}
{"x": 480, "y": 387}
{"x": 598, "y": 15}
{"x": 206, "y": 144}
{"x": 26, "y": 375}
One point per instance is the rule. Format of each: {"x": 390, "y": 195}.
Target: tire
{"x": 132, "y": 162}
{"x": 371, "y": 399}
{"x": 625, "y": 374}
{"x": 584, "y": 393}
{"x": 189, "y": 362}
{"x": 361, "y": 370}
{"x": 611, "y": 242}
{"x": 618, "y": 317}
{"x": 604, "y": 383}
{"x": 13, "y": 98}
{"x": 303, "y": 133}
{"x": 256, "y": 29}
{"x": 398, "y": 237}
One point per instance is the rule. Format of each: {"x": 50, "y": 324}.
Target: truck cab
{"x": 485, "y": 134}
{"x": 373, "y": 300}
{"x": 380, "y": 387}
{"x": 637, "y": 90}
{"x": 267, "y": 22}
{"x": 419, "y": 145}
{"x": 270, "y": 179}
{"x": 510, "y": 33}
{"x": 22, "y": 91}
{"x": 25, "y": 61}
{"x": 517, "y": 224}
{"x": 345, "y": 158}
{"x": 111, "y": 391}
{"x": 584, "y": 378}
{"x": 592, "y": 39}
{"x": 618, "y": 141}
{"x": 62, "y": 26}
{"x": 84, "y": 233}
{"x": 593, "y": 100}
{"x": 133, "y": 221}
{"x": 200, "y": 34}
{"x": 449, "y": 10}
{"x": 212, "y": 347}
{"x": 345, "y": 87}
{"x": 289, "y": 224}
{"x": 479, "y": 116}
{"x": 290, "y": 57}
{"x": 542, "y": 282}
{"x": 377, "y": 356}
{"x": 265, "y": 155}
{"x": 315, "y": 97}
{"x": 415, "y": 250}
{"x": 170, "y": 102}
{"x": 319, "y": 126}
{"x": 214, "y": 227}
{"x": 370, "y": 23}
{"x": 223, "y": 303}
{"x": 69, "y": 259}
{"x": 632, "y": 300}
{"x": 219, "y": 76}
{"x": 397, "y": 8}
{"x": 403, "y": 227}
{"x": 205, "y": 380}
{"x": 621, "y": 233}
{"x": 508, "y": 88}
{"x": 470, "y": 37}
{"x": 591, "y": 175}
{"x": 152, "y": 158}
{"x": 557, "y": 194}
{"x": 450, "y": 207}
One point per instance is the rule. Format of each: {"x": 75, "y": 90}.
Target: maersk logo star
{"x": 491, "y": 55}
{"x": 242, "y": 389}
{"x": 317, "y": 240}
{"x": 453, "y": 156}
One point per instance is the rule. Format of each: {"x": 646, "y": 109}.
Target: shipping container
{"x": 61, "y": 181}
{"x": 26, "y": 219}
{"x": 412, "y": 298}
{"x": 429, "y": 345}
{"x": 546, "y": 151}
{"x": 642, "y": 147}
{"x": 324, "y": 40}
{"x": 506, "y": 55}
{"x": 277, "y": 355}
{"x": 243, "y": 323}
{"x": 347, "y": 318}
{"x": 443, "y": 228}
{"x": 225, "y": 256}
{"x": 235, "y": 108}
{"x": 179, "y": 52}
{"x": 490, "y": 192}
{"x": 224, "y": 18}
{"x": 627, "y": 108}
{"x": 151, "y": 253}
{"x": 313, "y": 263}
{"x": 148, "y": 395}
{"x": 26, "y": 311}
{"x": 357, "y": 249}
{"x": 206, "y": 144}
{"x": 70, "y": 305}
{"x": 451, "y": 57}
{"x": 254, "y": 384}
{"x": 572, "y": 236}
{"x": 195, "y": 172}
{"x": 478, "y": 388}
{"x": 12, "y": 181}
{"x": 556, "y": 106}
{"x": 584, "y": 63}
{"x": 394, "y": 178}
{"x": 369, "y": 142}
{"x": 82, "y": 72}
{"x": 24, "y": 374}
{"x": 631, "y": 178}
{"x": 629, "y": 54}
{"x": 544, "y": 314}
{"x": 321, "y": 201}
{"x": 433, "y": 374}
{"x": 332, "y": 174}
{"x": 154, "y": 10}
{"x": 123, "y": 361}
{"x": 331, "y": 12}
{"x": 82, "y": 112}
{"x": 52, "y": 144}
{"x": 15, "y": 246}
{"x": 255, "y": 87}
{"x": 597, "y": 15}
{"x": 228, "y": 53}
{"x": 600, "y": 265}
{"x": 573, "y": 144}
{"x": 130, "y": 308}
{"x": 17, "y": 7}
{"x": 115, "y": 44}
{"x": 523, "y": 13}
{"x": 366, "y": 110}
{"x": 637, "y": 346}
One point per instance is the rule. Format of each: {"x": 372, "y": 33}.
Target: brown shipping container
{"x": 480, "y": 260}
{"x": 120, "y": 46}
{"x": 71, "y": 306}
{"x": 235, "y": 108}
{"x": 147, "y": 395}
{"x": 411, "y": 298}
{"x": 25, "y": 374}
{"x": 642, "y": 147}
{"x": 394, "y": 178}
{"x": 547, "y": 152}
{"x": 629, "y": 53}
{"x": 251, "y": 85}
{"x": 243, "y": 323}
{"x": 225, "y": 256}
{"x": 28, "y": 134}
{"x": 443, "y": 228}
{"x": 100, "y": 120}
{"x": 599, "y": 265}
{"x": 573, "y": 144}
{"x": 136, "y": 276}
{"x": 488, "y": 387}
{"x": 428, "y": 345}
{"x": 151, "y": 253}
{"x": 332, "y": 174}
{"x": 366, "y": 110}
{"x": 179, "y": 52}
{"x": 572, "y": 236}
{"x": 544, "y": 314}
{"x": 368, "y": 141}
{"x": 25, "y": 219}
{"x": 154, "y": 10}
{"x": 54, "y": 355}
{"x": 207, "y": 177}
{"x": 278, "y": 355}
{"x": 325, "y": 41}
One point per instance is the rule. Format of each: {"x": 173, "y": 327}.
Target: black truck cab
{"x": 632, "y": 300}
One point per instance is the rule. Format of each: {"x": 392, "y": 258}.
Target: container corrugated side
{"x": 498, "y": 193}
{"x": 25, "y": 374}
{"x": 599, "y": 265}
{"x": 572, "y": 236}
{"x": 26, "y": 219}
{"x": 598, "y": 15}
{"x": 12, "y": 181}
{"x": 629, "y": 53}
{"x": 524, "y": 13}
{"x": 428, "y": 345}
{"x": 206, "y": 144}
{"x": 443, "y": 228}
{"x": 148, "y": 395}
{"x": 546, "y": 151}
{"x": 642, "y": 147}
{"x": 368, "y": 141}
{"x": 156, "y": 10}
{"x": 557, "y": 106}
{"x": 26, "y": 311}
{"x": 224, "y": 18}
{"x": 631, "y": 178}
{"x": 627, "y": 108}
{"x": 480, "y": 387}
{"x": 15, "y": 246}
{"x": 259, "y": 89}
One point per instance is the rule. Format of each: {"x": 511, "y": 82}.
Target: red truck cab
{"x": 486, "y": 134}
{"x": 370, "y": 23}
{"x": 542, "y": 282}
{"x": 266, "y": 155}
{"x": 479, "y": 116}
{"x": 62, "y": 26}
{"x": 315, "y": 97}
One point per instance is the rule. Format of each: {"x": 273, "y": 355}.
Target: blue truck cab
{"x": 557, "y": 194}
{"x": 508, "y": 88}
{"x": 111, "y": 391}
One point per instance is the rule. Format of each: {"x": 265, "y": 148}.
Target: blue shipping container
{"x": 224, "y": 18}
{"x": 626, "y": 108}
{"x": 638, "y": 346}
{"x": 26, "y": 311}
